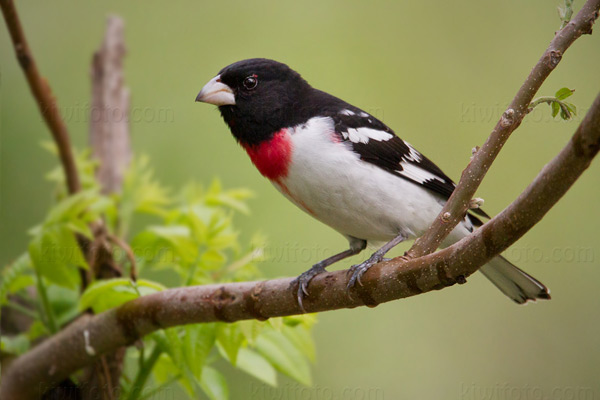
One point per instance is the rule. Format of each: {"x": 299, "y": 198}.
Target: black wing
{"x": 377, "y": 144}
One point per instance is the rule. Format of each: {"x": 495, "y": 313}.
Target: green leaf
{"x": 86, "y": 205}
{"x": 256, "y": 365}
{"x": 301, "y": 338}
{"x": 188, "y": 348}
{"x": 212, "y": 259}
{"x": 17, "y": 345}
{"x": 563, "y": 93}
{"x": 56, "y": 256}
{"x": 81, "y": 227}
{"x": 63, "y": 302}
{"x": 307, "y": 320}
{"x": 555, "y": 108}
{"x": 233, "y": 199}
{"x": 36, "y": 330}
{"x": 250, "y": 329}
{"x": 178, "y": 236}
{"x": 16, "y": 277}
{"x": 198, "y": 340}
{"x": 571, "y": 107}
{"x": 276, "y": 323}
{"x": 284, "y": 356}
{"x": 230, "y": 338}
{"x": 105, "y": 294}
{"x": 214, "y": 384}
{"x": 164, "y": 369}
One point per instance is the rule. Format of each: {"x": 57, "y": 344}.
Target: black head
{"x": 258, "y": 97}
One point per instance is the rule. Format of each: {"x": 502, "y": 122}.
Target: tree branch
{"x": 458, "y": 204}
{"x": 68, "y": 351}
{"x": 109, "y": 129}
{"x": 43, "y": 95}
{"x": 110, "y": 142}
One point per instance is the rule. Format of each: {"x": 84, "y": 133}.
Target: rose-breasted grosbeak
{"x": 342, "y": 166}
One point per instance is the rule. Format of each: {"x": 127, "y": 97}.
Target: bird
{"x": 344, "y": 167}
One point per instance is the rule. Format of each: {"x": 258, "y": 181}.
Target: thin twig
{"x": 43, "y": 95}
{"x": 128, "y": 252}
{"x": 230, "y": 302}
{"x": 458, "y": 204}
{"x": 48, "y": 107}
{"x": 107, "y": 377}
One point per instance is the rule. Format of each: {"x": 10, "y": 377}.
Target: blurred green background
{"x": 440, "y": 74}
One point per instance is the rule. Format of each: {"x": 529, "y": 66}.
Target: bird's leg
{"x": 357, "y": 271}
{"x": 319, "y": 267}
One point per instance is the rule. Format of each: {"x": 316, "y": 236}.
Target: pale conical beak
{"x": 217, "y": 93}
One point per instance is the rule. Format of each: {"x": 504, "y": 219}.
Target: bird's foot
{"x": 303, "y": 280}
{"x": 356, "y": 271}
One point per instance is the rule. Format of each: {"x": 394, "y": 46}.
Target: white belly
{"x": 355, "y": 198}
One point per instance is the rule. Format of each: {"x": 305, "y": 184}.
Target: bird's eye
{"x": 250, "y": 82}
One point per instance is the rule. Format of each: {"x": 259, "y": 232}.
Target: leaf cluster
{"x": 177, "y": 239}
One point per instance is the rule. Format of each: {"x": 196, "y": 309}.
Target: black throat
{"x": 250, "y": 128}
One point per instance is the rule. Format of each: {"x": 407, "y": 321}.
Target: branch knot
{"x": 508, "y": 118}
{"x": 553, "y": 58}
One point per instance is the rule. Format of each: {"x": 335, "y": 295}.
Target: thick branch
{"x": 42, "y": 93}
{"x": 458, "y": 204}
{"x": 68, "y": 351}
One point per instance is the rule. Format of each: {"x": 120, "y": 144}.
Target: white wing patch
{"x": 417, "y": 173}
{"x": 413, "y": 154}
{"x": 347, "y": 112}
{"x": 363, "y": 135}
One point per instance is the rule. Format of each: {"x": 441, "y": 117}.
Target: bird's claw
{"x": 303, "y": 280}
{"x": 357, "y": 271}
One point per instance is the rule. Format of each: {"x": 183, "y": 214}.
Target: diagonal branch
{"x": 43, "y": 95}
{"x": 458, "y": 204}
{"x": 82, "y": 342}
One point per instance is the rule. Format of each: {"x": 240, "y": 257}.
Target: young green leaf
{"x": 230, "y": 338}
{"x": 17, "y": 345}
{"x": 256, "y": 365}
{"x": 555, "y": 108}
{"x": 56, "y": 256}
{"x": 198, "y": 340}
{"x": 103, "y": 295}
{"x": 301, "y": 338}
{"x": 563, "y": 93}
{"x": 64, "y": 303}
{"x": 213, "y": 383}
{"x": 571, "y": 107}
{"x": 15, "y": 277}
{"x": 284, "y": 356}
{"x": 250, "y": 329}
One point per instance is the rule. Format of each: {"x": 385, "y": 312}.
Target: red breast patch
{"x": 272, "y": 157}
